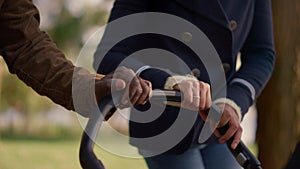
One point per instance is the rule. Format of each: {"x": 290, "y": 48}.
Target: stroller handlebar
{"x": 89, "y": 160}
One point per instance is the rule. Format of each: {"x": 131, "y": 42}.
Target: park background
{"x": 37, "y": 134}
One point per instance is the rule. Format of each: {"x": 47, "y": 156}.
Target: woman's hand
{"x": 197, "y": 97}
{"x": 229, "y": 116}
{"x": 196, "y": 94}
{"x": 235, "y": 130}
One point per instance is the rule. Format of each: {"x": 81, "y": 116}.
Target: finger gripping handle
{"x": 241, "y": 153}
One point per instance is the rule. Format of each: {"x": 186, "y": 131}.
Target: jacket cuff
{"x": 240, "y": 95}
{"x": 231, "y": 103}
{"x": 173, "y": 80}
{"x": 83, "y": 91}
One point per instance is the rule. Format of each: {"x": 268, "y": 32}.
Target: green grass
{"x": 61, "y": 154}
{"x": 43, "y": 154}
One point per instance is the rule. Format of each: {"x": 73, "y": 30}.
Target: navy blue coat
{"x": 232, "y": 26}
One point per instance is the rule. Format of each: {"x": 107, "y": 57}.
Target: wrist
{"x": 232, "y": 104}
{"x": 101, "y": 87}
{"x": 99, "y": 76}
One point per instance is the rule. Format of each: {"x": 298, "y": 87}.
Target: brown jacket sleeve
{"x": 33, "y": 57}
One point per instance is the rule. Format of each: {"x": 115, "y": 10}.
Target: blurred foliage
{"x": 16, "y": 94}
{"x": 67, "y": 32}
{"x": 48, "y": 133}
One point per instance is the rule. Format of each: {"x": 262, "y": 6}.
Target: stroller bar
{"x": 89, "y": 160}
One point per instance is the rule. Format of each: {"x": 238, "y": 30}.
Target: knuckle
{"x": 134, "y": 85}
{"x": 135, "y": 81}
{"x": 116, "y": 74}
{"x": 207, "y": 85}
{"x": 241, "y": 129}
{"x": 209, "y": 103}
{"x": 226, "y": 114}
{"x": 150, "y": 85}
{"x": 147, "y": 82}
{"x": 188, "y": 83}
{"x": 188, "y": 101}
{"x": 235, "y": 127}
{"x": 194, "y": 82}
{"x": 208, "y": 88}
{"x": 202, "y": 84}
{"x": 139, "y": 91}
{"x": 131, "y": 71}
{"x": 237, "y": 140}
{"x": 122, "y": 68}
{"x": 202, "y": 107}
{"x": 203, "y": 88}
{"x": 146, "y": 89}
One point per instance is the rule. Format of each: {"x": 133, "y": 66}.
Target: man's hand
{"x": 137, "y": 90}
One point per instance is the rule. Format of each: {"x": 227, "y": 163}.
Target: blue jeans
{"x": 214, "y": 156}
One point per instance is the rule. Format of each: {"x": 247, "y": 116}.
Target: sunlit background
{"x": 37, "y": 134}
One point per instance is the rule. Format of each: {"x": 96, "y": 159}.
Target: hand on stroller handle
{"x": 89, "y": 160}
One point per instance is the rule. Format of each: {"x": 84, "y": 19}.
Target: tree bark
{"x": 1, "y": 74}
{"x": 279, "y": 104}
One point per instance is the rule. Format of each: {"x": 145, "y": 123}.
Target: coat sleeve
{"x": 257, "y": 57}
{"x": 33, "y": 56}
{"x": 119, "y": 53}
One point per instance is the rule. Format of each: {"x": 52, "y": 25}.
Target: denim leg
{"x": 191, "y": 159}
{"x": 213, "y": 156}
{"x": 218, "y": 156}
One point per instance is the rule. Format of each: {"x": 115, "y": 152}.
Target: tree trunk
{"x": 279, "y": 104}
{"x": 1, "y": 74}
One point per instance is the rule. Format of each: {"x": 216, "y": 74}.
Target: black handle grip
{"x": 242, "y": 154}
{"x": 87, "y": 157}
{"x": 89, "y": 160}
